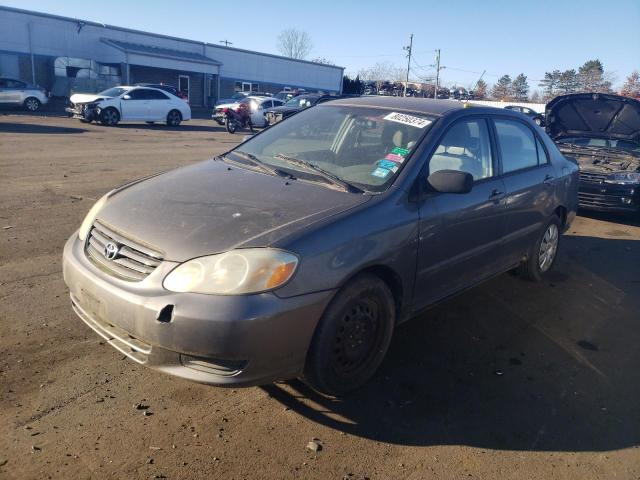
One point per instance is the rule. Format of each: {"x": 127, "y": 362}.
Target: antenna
{"x": 226, "y": 42}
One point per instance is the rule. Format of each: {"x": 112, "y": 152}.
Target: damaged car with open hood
{"x": 602, "y": 133}
{"x": 297, "y": 252}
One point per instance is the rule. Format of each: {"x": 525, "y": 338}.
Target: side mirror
{"x": 126, "y": 97}
{"x": 450, "y": 181}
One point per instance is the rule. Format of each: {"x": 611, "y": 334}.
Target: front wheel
{"x": 352, "y": 337}
{"x": 32, "y": 104}
{"x": 543, "y": 253}
{"x": 231, "y": 125}
{"x": 174, "y": 117}
{"x": 109, "y": 117}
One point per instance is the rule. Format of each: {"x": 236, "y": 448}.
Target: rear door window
{"x": 155, "y": 95}
{"x": 517, "y": 145}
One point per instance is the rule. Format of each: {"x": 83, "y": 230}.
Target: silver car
{"x": 299, "y": 251}
{"x": 18, "y": 93}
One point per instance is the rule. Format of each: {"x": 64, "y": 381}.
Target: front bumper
{"x": 608, "y": 197}
{"x": 85, "y": 112}
{"x": 218, "y": 340}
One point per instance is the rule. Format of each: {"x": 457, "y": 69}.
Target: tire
{"x": 538, "y": 121}
{"x": 230, "y": 125}
{"x": 31, "y": 104}
{"x": 352, "y": 337}
{"x": 541, "y": 258}
{"x": 109, "y": 117}
{"x": 174, "y": 117}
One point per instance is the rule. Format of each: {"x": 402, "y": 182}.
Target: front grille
{"x": 597, "y": 200}
{"x": 132, "y": 262}
{"x": 592, "y": 177}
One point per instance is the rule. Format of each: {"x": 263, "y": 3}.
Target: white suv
{"x": 16, "y": 92}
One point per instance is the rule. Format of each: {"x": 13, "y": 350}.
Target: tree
{"x": 323, "y": 60}
{"x": 536, "y": 97}
{"x": 520, "y": 88}
{"x": 380, "y": 73}
{"x": 631, "y": 87}
{"x": 568, "y": 82}
{"x": 352, "y": 86}
{"x": 591, "y": 77}
{"x": 294, "y": 43}
{"x": 502, "y": 89}
{"x": 550, "y": 84}
{"x": 480, "y": 91}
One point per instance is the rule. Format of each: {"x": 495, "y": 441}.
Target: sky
{"x": 493, "y": 36}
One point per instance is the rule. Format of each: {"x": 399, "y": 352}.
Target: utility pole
{"x": 435, "y": 93}
{"x": 408, "y": 49}
{"x": 226, "y": 42}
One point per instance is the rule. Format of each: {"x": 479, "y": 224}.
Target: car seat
{"x": 453, "y": 154}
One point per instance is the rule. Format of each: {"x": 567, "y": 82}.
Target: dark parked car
{"x": 538, "y": 118}
{"x": 294, "y": 105}
{"x": 601, "y": 132}
{"x": 299, "y": 251}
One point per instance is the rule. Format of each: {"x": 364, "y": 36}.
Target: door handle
{"x": 495, "y": 193}
{"x": 548, "y": 178}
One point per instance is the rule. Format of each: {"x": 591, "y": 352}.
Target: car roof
{"x": 410, "y": 104}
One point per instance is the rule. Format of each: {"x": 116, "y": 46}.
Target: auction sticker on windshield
{"x": 407, "y": 119}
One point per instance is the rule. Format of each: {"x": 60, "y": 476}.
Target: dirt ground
{"x": 511, "y": 380}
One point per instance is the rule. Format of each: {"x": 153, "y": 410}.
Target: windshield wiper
{"x": 265, "y": 167}
{"x": 334, "y": 179}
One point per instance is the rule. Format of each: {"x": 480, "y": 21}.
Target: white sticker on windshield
{"x": 408, "y": 119}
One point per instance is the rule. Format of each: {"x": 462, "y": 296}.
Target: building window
{"x": 246, "y": 87}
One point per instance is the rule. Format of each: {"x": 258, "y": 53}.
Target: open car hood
{"x": 594, "y": 115}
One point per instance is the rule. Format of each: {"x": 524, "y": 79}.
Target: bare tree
{"x": 323, "y": 60}
{"x": 382, "y": 72}
{"x": 294, "y": 43}
{"x": 631, "y": 87}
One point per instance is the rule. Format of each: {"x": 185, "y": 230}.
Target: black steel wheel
{"x": 352, "y": 337}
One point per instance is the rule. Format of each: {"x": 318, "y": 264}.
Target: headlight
{"x": 90, "y": 218}
{"x": 624, "y": 178}
{"x": 237, "y": 272}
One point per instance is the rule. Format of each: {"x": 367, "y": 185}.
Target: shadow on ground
{"x": 510, "y": 365}
{"x": 10, "y": 127}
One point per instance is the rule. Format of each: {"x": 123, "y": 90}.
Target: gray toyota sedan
{"x": 298, "y": 252}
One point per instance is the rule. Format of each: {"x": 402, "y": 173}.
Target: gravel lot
{"x": 509, "y": 380}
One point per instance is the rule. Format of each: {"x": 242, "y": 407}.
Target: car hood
{"x": 212, "y": 207}
{"x": 594, "y": 115}
{"x": 86, "y": 97}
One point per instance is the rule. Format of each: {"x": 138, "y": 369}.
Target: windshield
{"x": 239, "y": 95}
{"x": 595, "y": 142}
{"x": 113, "y": 92}
{"x": 365, "y": 147}
{"x": 302, "y": 102}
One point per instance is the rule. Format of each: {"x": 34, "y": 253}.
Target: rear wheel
{"x": 32, "y": 104}
{"x": 174, "y": 117}
{"x": 352, "y": 337}
{"x": 109, "y": 117}
{"x": 543, "y": 253}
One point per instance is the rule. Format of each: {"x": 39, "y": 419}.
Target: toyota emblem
{"x": 111, "y": 251}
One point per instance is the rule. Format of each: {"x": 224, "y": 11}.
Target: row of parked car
{"x": 266, "y": 109}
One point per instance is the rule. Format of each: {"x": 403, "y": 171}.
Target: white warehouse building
{"x": 64, "y": 55}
